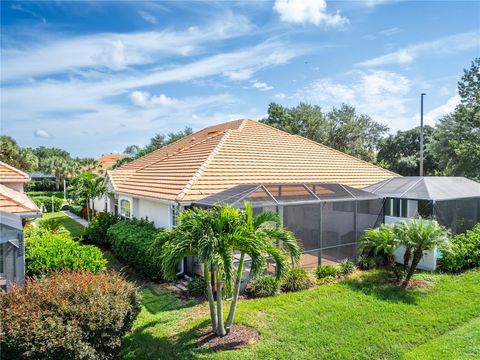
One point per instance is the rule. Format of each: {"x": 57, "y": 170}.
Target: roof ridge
{"x": 20, "y": 172}
{"x": 202, "y": 167}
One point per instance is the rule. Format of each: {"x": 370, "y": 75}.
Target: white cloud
{"x": 444, "y": 91}
{"x": 308, "y": 11}
{"x": 432, "y": 116}
{"x": 280, "y": 96}
{"x": 113, "y": 55}
{"x": 39, "y": 133}
{"x": 447, "y": 45}
{"x": 243, "y": 74}
{"x": 261, "y": 86}
{"x": 148, "y": 17}
{"x": 144, "y": 99}
{"x": 380, "y": 94}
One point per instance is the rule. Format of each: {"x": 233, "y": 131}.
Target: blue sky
{"x": 94, "y": 77}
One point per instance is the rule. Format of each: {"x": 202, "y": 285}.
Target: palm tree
{"x": 57, "y": 166}
{"x": 215, "y": 235}
{"x": 86, "y": 187}
{"x": 384, "y": 240}
{"x": 421, "y": 235}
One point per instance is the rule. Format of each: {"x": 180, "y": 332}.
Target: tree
{"x": 215, "y": 235}
{"x": 57, "y": 166}
{"x": 400, "y": 153}
{"x": 14, "y": 155}
{"x": 456, "y": 142}
{"x": 342, "y": 128}
{"x": 85, "y": 187}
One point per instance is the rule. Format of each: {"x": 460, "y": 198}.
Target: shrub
{"x": 264, "y": 286}
{"x": 76, "y": 209}
{"x": 366, "y": 262}
{"x": 98, "y": 227}
{"x": 326, "y": 270}
{"x": 326, "y": 280}
{"x": 197, "y": 287}
{"x": 463, "y": 252}
{"x": 45, "y": 251}
{"x": 47, "y": 202}
{"x": 76, "y": 315}
{"x": 52, "y": 225}
{"x": 297, "y": 279}
{"x": 138, "y": 243}
{"x": 347, "y": 267}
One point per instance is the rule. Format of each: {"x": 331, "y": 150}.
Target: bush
{"x": 52, "y": 225}
{"x": 76, "y": 315}
{"x": 326, "y": 270}
{"x": 76, "y": 209}
{"x": 296, "y": 280}
{"x": 58, "y": 194}
{"x": 99, "y": 225}
{"x": 45, "y": 251}
{"x": 47, "y": 202}
{"x": 264, "y": 286}
{"x": 366, "y": 262}
{"x": 463, "y": 252}
{"x": 347, "y": 267}
{"x": 197, "y": 287}
{"x": 138, "y": 243}
{"x": 326, "y": 280}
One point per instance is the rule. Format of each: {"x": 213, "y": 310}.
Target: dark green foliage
{"x": 58, "y": 194}
{"x": 326, "y": 270}
{"x": 46, "y": 252}
{"x": 401, "y": 152}
{"x": 264, "y": 286}
{"x": 366, "y": 262}
{"x": 297, "y": 279}
{"x": 347, "y": 267}
{"x": 76, "y": 209}
{"x": 68, "y": 316}
{"x": 197, "y": 287}
{"x": 138, "y": 243}
{"x": 99, "y": 225}
{"x": 47, "y": 202}
{"x": 463, "y": 251}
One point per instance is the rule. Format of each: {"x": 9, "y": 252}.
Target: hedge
{"x": 138, "y": 243}
{"x": 463, "y": 252}
{"x": 47, "y": 202}
{"x": 76, "y": 315}
{"x": 99, "y": 225}
{"x": 46, "y": 252}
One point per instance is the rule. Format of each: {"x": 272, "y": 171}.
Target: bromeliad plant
{"x": 218, "y": 234}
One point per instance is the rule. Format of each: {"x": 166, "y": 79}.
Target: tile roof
{"x": 13, "y": 201}
{"x": 10, "y": 174}
{"x": 239, "y": 152}
{"x": 106, "y": 161}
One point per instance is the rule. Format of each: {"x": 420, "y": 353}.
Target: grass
{"x": 58, "y": 194}
{"x": 358, "y": 318}
{"x": 75, "y": 229}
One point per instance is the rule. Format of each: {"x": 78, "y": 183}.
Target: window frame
{"x": 121, "y": 208}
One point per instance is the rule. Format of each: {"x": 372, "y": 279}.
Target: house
{"x": 453, "y": 201}
{"x": 160, "y": 184}
{"x": 16, "y": 210}
{"x": 106, "y": 161}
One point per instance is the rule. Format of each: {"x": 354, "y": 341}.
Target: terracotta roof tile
{"x": 10, "y": 174}
{"x": 106, "y": 161}
{"x": 15, "y": 202}
{"x": 239, "y": 152}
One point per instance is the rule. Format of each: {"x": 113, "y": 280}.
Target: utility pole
{"x": 421, "y": 133}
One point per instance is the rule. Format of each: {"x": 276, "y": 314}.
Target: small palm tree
{"x": 421, "y": 235}
{"x": 215, "y": 235}
{"x": 382, "y": 240}
{"x": 86, "y": 187}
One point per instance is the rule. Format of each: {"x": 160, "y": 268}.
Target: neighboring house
{"x": 453, "y": 201}
{"x": 39, "y": 176}
{"x": 160, "y": 184}
{"x": 16, "y": 209}
{"x": 107, "y": 161}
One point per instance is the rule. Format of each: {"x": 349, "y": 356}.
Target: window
{"x": 125, "y": 209}
{"x": 396, "y": 208}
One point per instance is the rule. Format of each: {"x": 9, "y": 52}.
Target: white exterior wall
{"x": 99, "y": 203}
{"x": 157, "y": 212}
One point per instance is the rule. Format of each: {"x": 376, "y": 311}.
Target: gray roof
{"x": 40, "y": 175}
{"x": 285, "y": 194}
{"x": 426, "y": 188}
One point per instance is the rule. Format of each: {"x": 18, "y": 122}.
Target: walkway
{"x": 77, "y": 218}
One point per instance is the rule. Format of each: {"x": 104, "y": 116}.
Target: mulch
{"x": 413, "y": 284}
{"x": 240, "y": 336}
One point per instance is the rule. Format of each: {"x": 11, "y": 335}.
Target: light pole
{"x": 421, "y": 133}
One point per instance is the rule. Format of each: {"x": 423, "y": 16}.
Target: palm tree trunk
{"x": 391, "y": 262}
{"x": 220, "y": 325}
{"x": 417, "y": 256}
{"x": 57, "y": 181}
{"x": 236, "y": 292}
{"x": 88, "y": 209}
{"x": 211, "y": 300}
{"x": 407, "y": 256}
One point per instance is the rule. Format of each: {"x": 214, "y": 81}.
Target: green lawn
{"x": 353, "y": 319}
{"x": 71, "y": 225}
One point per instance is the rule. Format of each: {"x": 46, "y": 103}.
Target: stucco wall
{"x": 155, "y": 211}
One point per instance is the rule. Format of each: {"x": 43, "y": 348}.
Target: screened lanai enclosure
{"x": 453, "y": 201}
{"x": 328, "y": 219}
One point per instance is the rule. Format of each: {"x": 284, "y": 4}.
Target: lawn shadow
{"x": 380, "y": 284}
{"x": 155, "y": 300}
